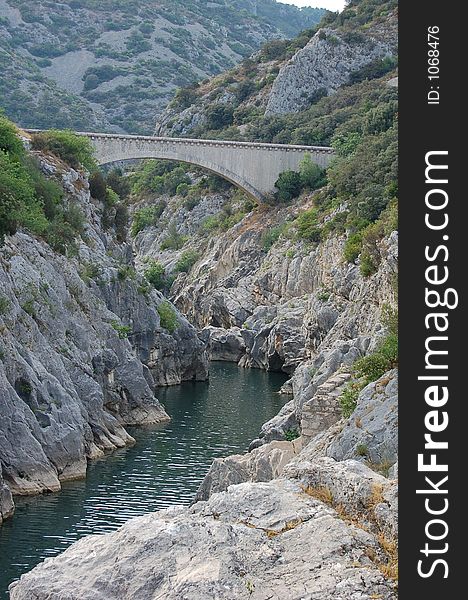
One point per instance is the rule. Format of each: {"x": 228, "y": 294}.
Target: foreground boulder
{"x": 259, "y": 541}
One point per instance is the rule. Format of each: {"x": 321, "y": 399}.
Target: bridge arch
{"x": 254, "y": 167}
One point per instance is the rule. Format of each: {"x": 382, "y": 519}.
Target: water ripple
{"x": 163, "y": 469}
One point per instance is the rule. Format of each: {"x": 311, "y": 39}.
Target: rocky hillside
{"x": 289, "y": 76}
{"x": 113, "y": 65}
{"x": 85, "y": 340}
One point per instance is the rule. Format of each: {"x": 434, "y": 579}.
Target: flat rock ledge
{"x": 261, "y": 541}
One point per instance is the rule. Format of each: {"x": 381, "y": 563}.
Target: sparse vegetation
{"x": 155, "y": 274}
{"x": 147, "y": 217}
{"x": 123, "y": 331}
{"x": 73, "y": 149}
{"x": 168, "y": 317}
{"x": 291, "y": 435}
{"x": 29, "y": 200}
{"x": 186, "y": 261}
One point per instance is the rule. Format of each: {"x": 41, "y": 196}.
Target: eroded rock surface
{"x": 262, "y": 541}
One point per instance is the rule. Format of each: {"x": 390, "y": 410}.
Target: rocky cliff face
{"x": 321, "y": 67}
{"x": 82, "y": 351}
{"x": 291, "y": 78}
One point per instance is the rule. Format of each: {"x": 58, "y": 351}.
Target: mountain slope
{"x": 113, "y": 65}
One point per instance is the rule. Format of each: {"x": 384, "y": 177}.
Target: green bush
{"x": 168, "y": 317}
{"x": 121, "y": 221}
{"x": 174, "y": 240}
{"x": 307, "y": 226}
{"x": 219, "y": 116}
{"x": 190, "y": 202}
{"x": 146, "y": 217}
{"x": 73, "y": 149}
{"x": 289, "y": 185}
{"x": 4, "y": 305}
{"x": 348, "y": 398}
{"x": 98, "y": 186}
{"x": 123, "y": 331}
{"x": 291, "y": 434}
{"x": 155, "y": 274}
{"x": 312, "y": 175}
{"x": 271, "y": 236}
{"x": 9, "y": 140}
{"x": 182, "y": 189}
{"x": 353, "y": 247}
{"x": 367, "y": 265}
{"x": 385, "y": 357}
{"x": 120, "y": 184}
{"x": 19, "y": 206}
{"x": 186, "y": 261}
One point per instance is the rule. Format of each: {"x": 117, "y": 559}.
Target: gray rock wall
{"x": 82, "y": 349}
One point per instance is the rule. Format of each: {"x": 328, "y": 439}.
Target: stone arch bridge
{"x": 252, "y": 166}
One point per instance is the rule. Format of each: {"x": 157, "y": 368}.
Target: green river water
{"x": 164, "y": 468}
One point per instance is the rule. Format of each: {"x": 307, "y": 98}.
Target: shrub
{"x": 168, "y": 317}
{"x": 174, "y": 240}
{"x": 125, "y": 272}
{"x": 73, "y": 149}
{"x": 307, "y": 226}
{"x": 186, "y": 261}
{"x": 121, "y": 222}
{"x": 155, "y": 274}
{"x": 4, "y": 305}
{"x": 146, "y": 217}
{"x": 312, "y": 175}
{"x": 190, "y": 202}
{"x": 182, "y": 189}
{"x": 271, "y": 236}
{"x": 219, "y": 116}
{"x": 117, "y": 182}
{"x": 353, "y": 247}
{"x": 348, "y": 399}
{"x": 367, "y": 265}
{"x": 98, "y": 186}
{"x": 19, "y": 206}
{"x": 123, "y": 331}
{"x": 385, "y": 357}
{"x": 291, "y": 434}
{"x": 289, "y": 185}
{"x": 9, "y": 141}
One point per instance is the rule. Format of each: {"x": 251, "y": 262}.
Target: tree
{"x": 289, "y": 185}
{"x": 156, "y": 274}
{"x": 312, "y": 175}
{"x": 219, "y": 116}
{"x": 97, "y": 186}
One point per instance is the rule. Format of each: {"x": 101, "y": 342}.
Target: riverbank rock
{"x": 372, "y": 431}
{"x": 223, "y": 344}
{"x": 82, "y": 349}
{"x": 261, "y": 541}
{"x": 262, "y": 464}
{"x": 7, "y": 506}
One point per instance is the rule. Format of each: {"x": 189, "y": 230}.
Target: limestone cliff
{"x": 82, "y": 350}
